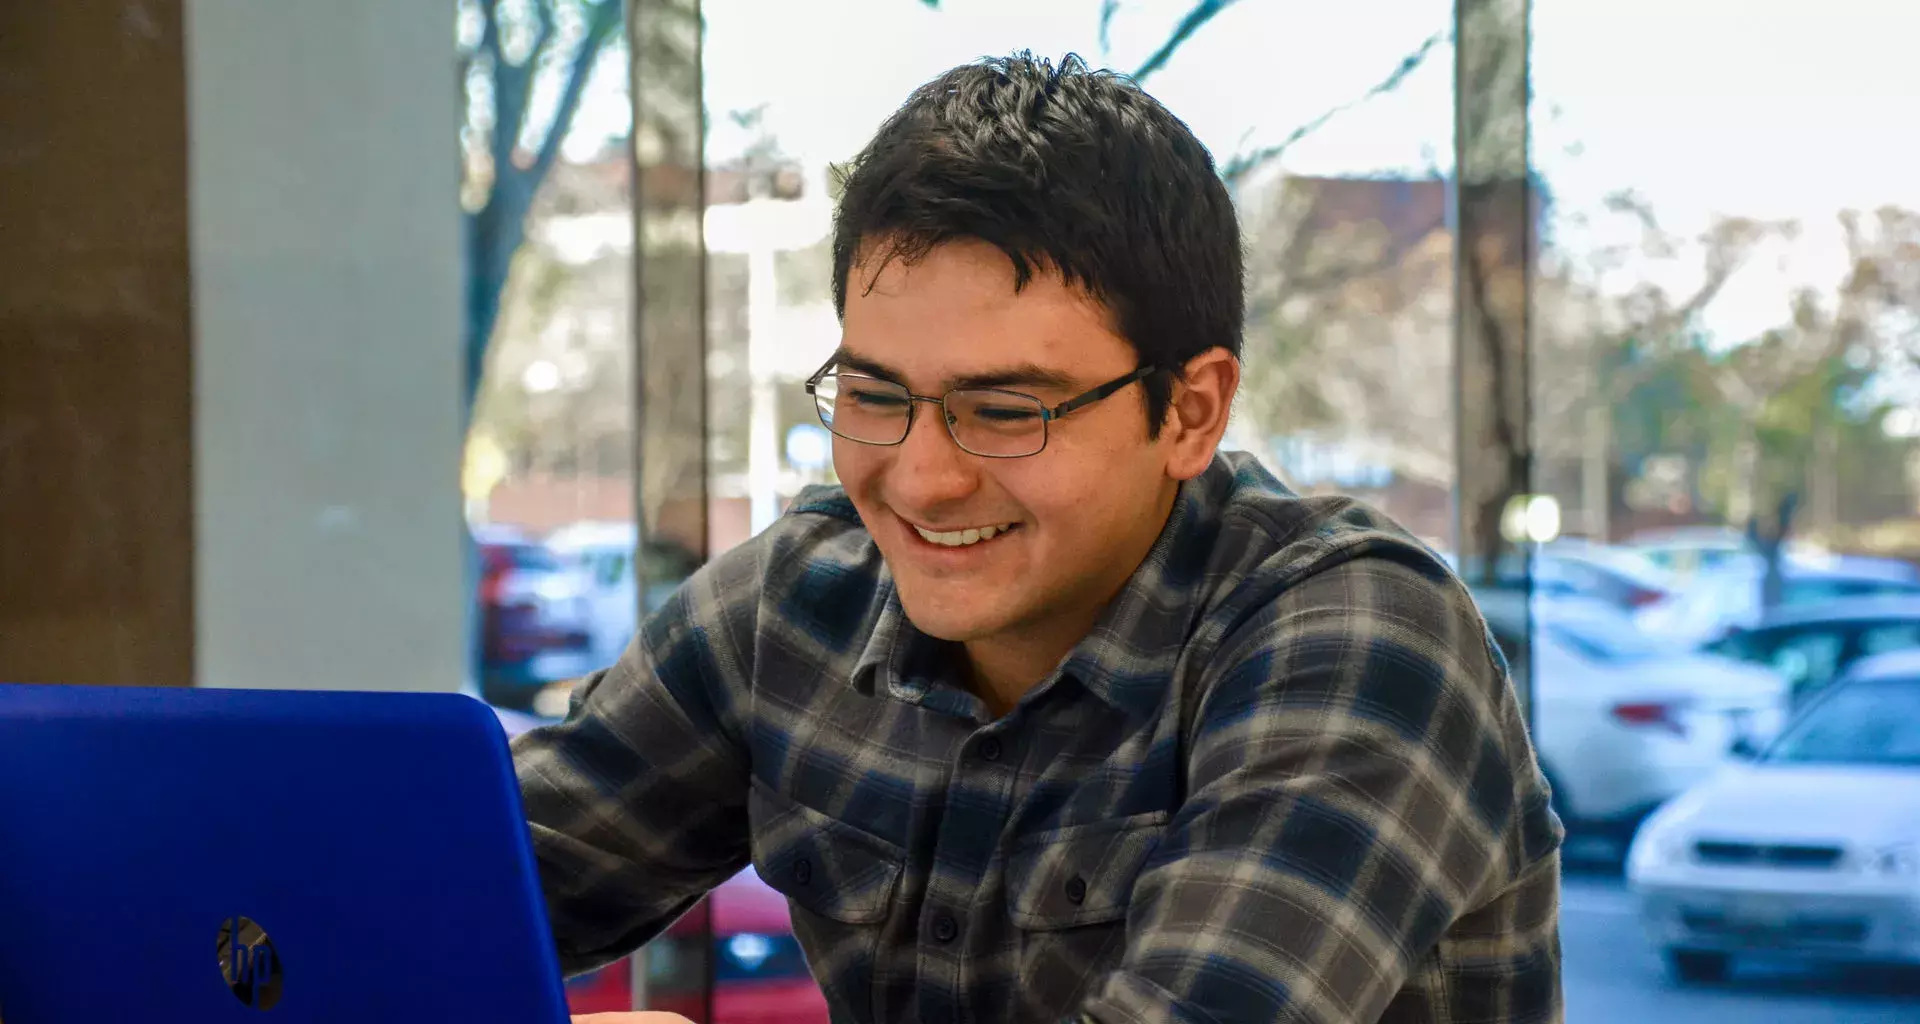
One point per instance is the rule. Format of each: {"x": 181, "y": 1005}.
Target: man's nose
{"x": 931, "y": 468}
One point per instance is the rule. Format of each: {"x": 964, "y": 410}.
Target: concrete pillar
{"x": 326, "y": 294}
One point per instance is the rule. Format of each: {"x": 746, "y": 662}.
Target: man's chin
{"x": 952, "y": 630}
{"x": 944, "y": 621}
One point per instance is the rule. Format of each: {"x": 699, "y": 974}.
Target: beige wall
{"x": 326, "y": 311}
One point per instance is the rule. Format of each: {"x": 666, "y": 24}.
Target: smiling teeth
{"x": 962, "y": 538}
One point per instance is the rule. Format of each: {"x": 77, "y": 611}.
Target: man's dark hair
{"x": 1064, "y": 169}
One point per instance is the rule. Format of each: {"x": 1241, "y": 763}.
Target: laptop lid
{"x": 210, "y": 855}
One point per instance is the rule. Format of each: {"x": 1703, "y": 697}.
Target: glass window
{"x": 1892, "y": 636}
{"x": 1820, "y": 591}
{"x": 1346, "y": 226}
{"x": 1722, "y": 327}
{"x": 1338, "y": 169}
{"x": 1701, "y": 393}
{"x": 1866, "y": 723}
{"x": 1809, "y": 660}
{"x": 612, "y": 569}
{"x": 550, "y": 449}
{"x": 1740, "y": 644}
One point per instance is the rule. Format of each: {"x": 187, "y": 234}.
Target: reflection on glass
{"x": 1725, "y": 308}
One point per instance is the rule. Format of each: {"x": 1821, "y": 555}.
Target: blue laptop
{"x": 300, "y": 858}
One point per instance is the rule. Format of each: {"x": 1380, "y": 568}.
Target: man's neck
{"x": 1004, "y": 668}
{"x": 1001, "y": 670}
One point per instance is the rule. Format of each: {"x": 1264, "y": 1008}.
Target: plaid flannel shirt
{"x": 1284, "y": 778}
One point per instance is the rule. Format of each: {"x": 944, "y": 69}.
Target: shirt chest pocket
{"x": 824, "y": 866}
{"x": 1079, "y": 876}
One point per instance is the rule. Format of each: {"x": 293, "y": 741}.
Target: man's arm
{"x": 1360, "y": 782}
{"x": 637, "y": 802}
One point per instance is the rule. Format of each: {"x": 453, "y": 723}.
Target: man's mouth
{"x": 966, "y": 537}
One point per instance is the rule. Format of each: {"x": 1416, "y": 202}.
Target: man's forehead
{"x": 969, "y": 269}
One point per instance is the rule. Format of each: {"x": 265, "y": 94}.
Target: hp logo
{"x": 249, "y": 963}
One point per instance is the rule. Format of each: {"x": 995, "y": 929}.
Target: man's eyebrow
{"x": 1031, "y": 375}
{"x": 845, "y": 360}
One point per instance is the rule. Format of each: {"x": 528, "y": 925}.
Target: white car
{"x": 1728, "y": 597}
{"x": 1812, "y": 850}
{"x": 604, "y": 552}
{"x": 1686, "y": 550}
{"x": 1622, "y": 721}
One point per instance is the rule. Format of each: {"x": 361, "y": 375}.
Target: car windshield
{"x": 1864, "y": 723}
{"x": 1607, "y": 640}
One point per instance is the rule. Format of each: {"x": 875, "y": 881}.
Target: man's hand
{"x": 631, "y": 1018}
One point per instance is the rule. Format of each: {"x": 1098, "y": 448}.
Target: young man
{"x": 1053, "y": 712}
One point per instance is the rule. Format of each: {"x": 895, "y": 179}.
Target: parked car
{"x": 1621, "y": 577}
{"x": 534, "y": 617}
{"x": 1687, "y": 550}
{"x": 1623, "y": 721}
{"x": 1812, "y": 850}
{"x": 619, "y": 593}
{"x": 1728, "y": 597}
{"x": 759, "y": 975}
{"x": 1810, "y": 645}
{"x": 1577, "y": 569}
{"x": 1684, "y": 551}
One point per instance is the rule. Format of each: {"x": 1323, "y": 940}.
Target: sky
{"x": 1760, "y": 108}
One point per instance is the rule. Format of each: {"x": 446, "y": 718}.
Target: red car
{"x": 534, "y": 618}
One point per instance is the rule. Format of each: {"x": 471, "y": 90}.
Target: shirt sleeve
{"x": 1366, "y": 826}
{"x": 637, "y": 802}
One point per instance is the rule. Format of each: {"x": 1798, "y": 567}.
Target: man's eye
{"x": 1007, "y": 413}
{"x": 876, "y": 399}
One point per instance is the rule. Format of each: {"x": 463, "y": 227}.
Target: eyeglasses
{"x": 989, "y": 422}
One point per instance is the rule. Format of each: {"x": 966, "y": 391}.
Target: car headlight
{"x": 1901, "y": 860}
{"x": 1658, "y": 848}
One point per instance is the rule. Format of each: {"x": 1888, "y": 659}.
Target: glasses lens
{"x": 997, "y": 423}
{"x": 863, "y": 408}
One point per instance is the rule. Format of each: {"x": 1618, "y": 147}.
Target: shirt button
{"x": 990, "y": 749}
{"x": 945, "y": 929}
{"x": 1076, "y": 890}
{"x": 803, "y": 871}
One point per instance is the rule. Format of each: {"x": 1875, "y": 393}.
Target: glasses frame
{"x": 1047, "y": 413}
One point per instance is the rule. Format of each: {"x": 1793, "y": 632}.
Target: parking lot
{"x": 1612, "y": 974}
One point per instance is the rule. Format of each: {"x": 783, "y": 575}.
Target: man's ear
{"x": 1197, "y": 416}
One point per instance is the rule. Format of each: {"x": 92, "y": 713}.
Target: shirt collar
{"x": 1130, "y": 654}
{"x": 1132, "y": 650}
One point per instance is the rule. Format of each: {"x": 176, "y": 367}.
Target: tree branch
{"x": 1244, "y": 164}
{"x": 606, "y": 18}
{"x": 512, "y": 91}
{"x": 1108, "y": 8}
{"x": 1201, "y": 13}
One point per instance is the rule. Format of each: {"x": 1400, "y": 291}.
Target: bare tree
{"x": 1347, "y": 321}
{"x": 513, "y": 55}
{"x": 1596, "y": 344}
{"x": 1851, "y": 322}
